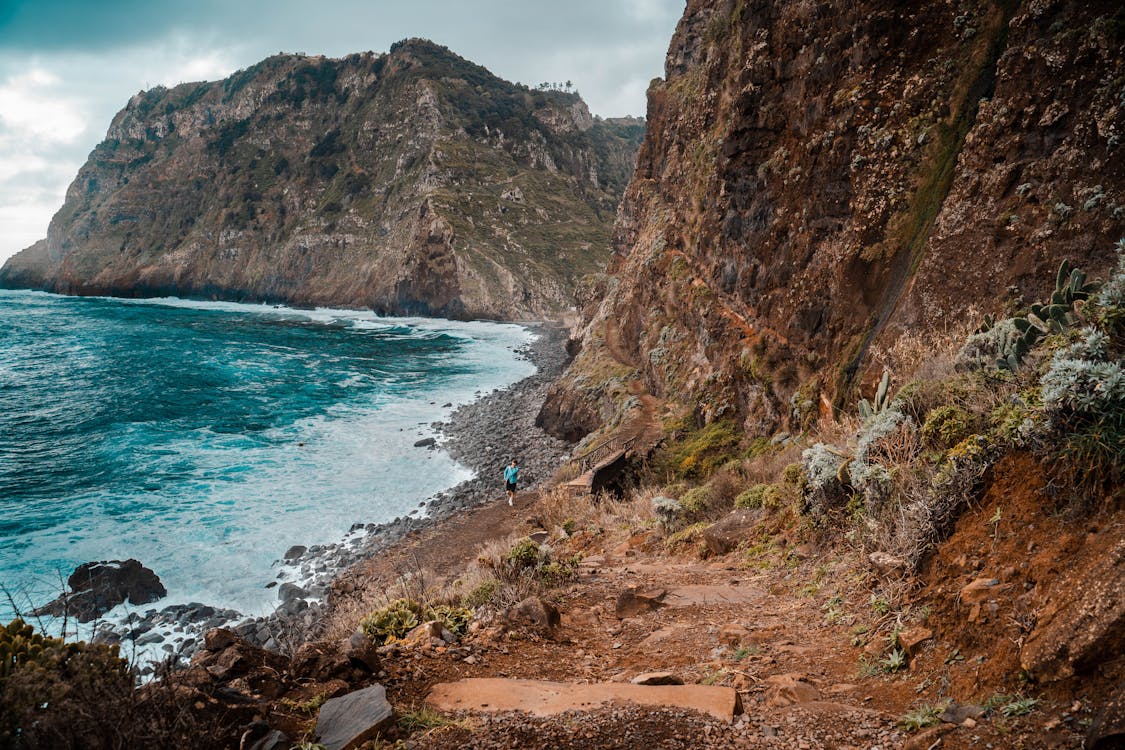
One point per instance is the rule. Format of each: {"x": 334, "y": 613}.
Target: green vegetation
{"x": 398, "y": 618}
{"x": 693, "y": 454}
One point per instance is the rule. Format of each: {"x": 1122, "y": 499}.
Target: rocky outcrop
{"x": 413, "y": 182}
{"x": 1083, "y": 625}
{"x": 817, "y": 178}
{"x": 98, "y": 587}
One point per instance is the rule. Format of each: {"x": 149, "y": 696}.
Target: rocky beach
{"x": 482, "y": 435}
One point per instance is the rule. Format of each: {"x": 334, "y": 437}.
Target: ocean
{"x": 206, "y": 438}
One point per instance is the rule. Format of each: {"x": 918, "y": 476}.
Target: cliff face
{"x": 819, "y": 177}
{"x": 411, "y": 182}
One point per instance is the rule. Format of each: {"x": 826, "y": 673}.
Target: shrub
{"x": 794, "y": 476}
{"x": 454, "y": 619}
{"x": 696, "y": 500}
{"x": 946, "y": 426}
{"x": 761, "y": 496}
{"x": 403, "y": 615}
{"x": 700, "y": 452}
{"x": 392, "y": 621}
{"x": 668, "y": 510}
{"x": 524, "y": 554}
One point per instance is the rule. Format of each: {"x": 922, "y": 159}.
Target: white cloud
{"x": 33, "y": 108}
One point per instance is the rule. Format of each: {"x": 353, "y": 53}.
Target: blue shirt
{"x": 511, "y": 473}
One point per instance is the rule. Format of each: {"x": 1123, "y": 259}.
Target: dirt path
{"x": 804, "y": 648}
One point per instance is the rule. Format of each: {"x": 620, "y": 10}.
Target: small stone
{"x": 657, "y": 678}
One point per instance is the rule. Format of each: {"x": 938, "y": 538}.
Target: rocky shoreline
{"x": 482, "y": 435}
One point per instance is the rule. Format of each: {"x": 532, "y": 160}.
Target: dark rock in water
{"x": 97, "y": 587}
{"x": 427, "y": 443}
{"x": 295, "y": 551}
{"x": 288, "y": 591}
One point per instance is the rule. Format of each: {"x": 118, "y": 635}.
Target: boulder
{"x": 351, "y": 720}
{"x": 295, "y": 551}
{"x": 426, "y": 443}
{"x": 1083, "y": 624}
{"x": 637, "y": 600}
{"x": 657, "y": 678}
{"x": 287, "y": 592}
{"x": 98, "y": 587}
{"x": 238, "y": 666}
{"x": 216, "y": 639}
{"x": 731, "y": 530}
{"x": 362, "y": 653}
{"x": 319, "y": 661}
{"x": 788, "y": 689}
{"x": 533, "y": 613}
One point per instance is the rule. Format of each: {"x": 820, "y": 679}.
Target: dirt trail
{"x": 793, "y": 630}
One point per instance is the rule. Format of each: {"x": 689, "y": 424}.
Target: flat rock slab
{"x": 351, "y": 720}
{"x": 549, "y": 698}
{"x": 690, "y": 596}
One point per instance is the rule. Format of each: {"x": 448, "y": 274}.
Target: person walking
{"x": 511, "y": 476}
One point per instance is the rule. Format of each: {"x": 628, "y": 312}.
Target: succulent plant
{"x": 868, "y": 409}
{"x": 1056, "y": 316}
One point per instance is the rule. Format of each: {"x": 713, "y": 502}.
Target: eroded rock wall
{"x": 819, "y": 177}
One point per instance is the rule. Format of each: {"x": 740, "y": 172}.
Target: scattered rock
{"x": 98, "y": 587}
{"x": 351, "y": 720}
{"x": 657, "y": 678}
{"x": 426, "y": 635}
{"x": 260, "y": 737}
{"x": 927, "y": 739}
{"x": 731, "y": 530}
{"x": 734, "y": 634}
{"x": 911, "y": 639}
{"x": 788, "y": 689}
{"x": 533, "y": 612}
{"x": 961, "y": 713}
{"x": 636, "y": 600}
{"x": 319, "y": 661}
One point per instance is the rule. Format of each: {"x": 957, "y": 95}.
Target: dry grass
{"x": 926, "y": 355}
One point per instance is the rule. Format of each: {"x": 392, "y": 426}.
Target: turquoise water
{"x": 206, "y": 438}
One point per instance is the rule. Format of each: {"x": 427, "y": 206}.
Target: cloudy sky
{"x": 66, "y": 66}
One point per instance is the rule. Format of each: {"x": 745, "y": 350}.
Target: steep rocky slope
{"x": 411, "y": 182}
{"x": 817, "y": 178}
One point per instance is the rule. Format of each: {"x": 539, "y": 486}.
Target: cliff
{"x": 819, "y": 178}
{"x": 413, "y": 182}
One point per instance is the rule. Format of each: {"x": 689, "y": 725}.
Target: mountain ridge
{"x": 411, "y": 182}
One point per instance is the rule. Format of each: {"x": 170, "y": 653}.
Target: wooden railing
{"x": 604, "y": 450}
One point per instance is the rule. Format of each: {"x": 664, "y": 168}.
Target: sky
{"x": 67, "y": 66}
